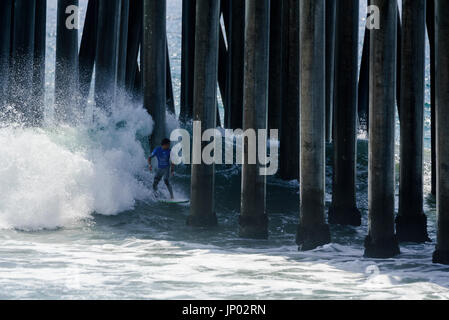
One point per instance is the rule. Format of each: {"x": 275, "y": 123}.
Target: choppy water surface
{"x": 77, "y": 220}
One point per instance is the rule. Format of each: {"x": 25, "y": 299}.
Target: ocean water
{"x": 78, "y": 221}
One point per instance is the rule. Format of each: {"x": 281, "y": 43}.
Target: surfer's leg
{"x": 157, "y": 178}
{"x": 167, "y": 182}
{"x": 170, "y": 189}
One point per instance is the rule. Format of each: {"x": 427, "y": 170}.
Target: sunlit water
{"x": 77, "y": 220}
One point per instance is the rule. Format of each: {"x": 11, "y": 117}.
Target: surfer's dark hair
{"x": 165, "y": 142}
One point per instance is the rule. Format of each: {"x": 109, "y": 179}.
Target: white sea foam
{"x": 156, "y": 269}
{"x": 52, "y": 176}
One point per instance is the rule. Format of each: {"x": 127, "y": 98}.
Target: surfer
{"x": 165, "y": 167}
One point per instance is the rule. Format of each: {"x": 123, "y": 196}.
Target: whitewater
{"x": 78, "y": 219}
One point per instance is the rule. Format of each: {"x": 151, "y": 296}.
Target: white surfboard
{"x": 174, "y": 201}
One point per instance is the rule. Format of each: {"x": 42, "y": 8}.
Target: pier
{"x": 289, "y": 65}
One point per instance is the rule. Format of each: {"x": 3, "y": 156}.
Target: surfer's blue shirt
{"x": 163, "y": 157}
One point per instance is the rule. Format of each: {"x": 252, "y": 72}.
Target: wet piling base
{"x": 381, "y": 249}
{"x": 441, "y": 256}
{"x": 253, "y": 227}
{"x": 412, "y": 229}
{"x": 310, "y": 238}
{"x": 345, "y": 216}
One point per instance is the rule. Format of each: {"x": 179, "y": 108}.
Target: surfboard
{"x": 175, "y": 201}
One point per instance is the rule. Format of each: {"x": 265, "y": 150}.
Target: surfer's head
{"x": 165, "y": 144}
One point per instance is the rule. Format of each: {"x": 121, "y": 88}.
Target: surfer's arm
{"x": 149, "y": 160}
{"x": 152, "y": 155}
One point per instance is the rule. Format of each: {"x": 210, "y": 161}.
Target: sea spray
{"x": 55, "y": 175}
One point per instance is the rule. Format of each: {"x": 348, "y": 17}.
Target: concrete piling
{"x": 381, "y": 241}
{"x": 399, "y": 64}
{"x": 6, "y": 10}
{"x": 187, "y": 58}
{"x": 87, "y": 51}
{"x": 224, "y": 59}
{"x": 202, "y": 207}
{"x": 363, "y": 90}
{"x": 22, "y": 59}
{"x": 253, "y": 219}
{"x": 170, "y": 99}
{"x": 155, "y": 65}
{"x": 134, "y": 44}
{"x": 276, "y": 60}
{"x": 289, "y": 134}
{"x": 441, "y": 254}
{"x": 430, "y": 22}
{"x": 313, "y": 230}
{"x": 236, "y": 54}
{"x": 411, "y": 223}
{"x": 330, "y": 65}
{"x": 40, "y": 36}
{"x": 123, "y": 50}
{"x": 344, "y": 208}
{"x": 66, "y": 66}
{"x": 106, "y": 59}
{"x": 223, "y": 85}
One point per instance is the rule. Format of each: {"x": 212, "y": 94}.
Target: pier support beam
{"x": 363, "y": 90}
{"x": 87, "y": 51}
{"x": 289, "y": 135}
{"x": 441, "y": 254}
{"x": 398, "y": 65}
{"x": 381, "y": 241}
{"x": 223, "y": 85}
{"x": 312, "y": 230}
{"x": 224, "y": 74}
{"x": 253, "y": 219}
{"x": 430, "y": 21}
{"x": 236, "y": 54}
{"x": 202, "y": 208}
{"x": 170, "y": 95}
{"x": 134, "y": 43}
{"x": 122, "y": 51}
{"x": 187, "y": 58}
{"x": 155, "y": 65}
{"x": 6, "y": 11}
{"x": 40, "y": 36}
{"x": 411, "y": 223}
{"x": 276, "y": 60}
{"x": 330, "y": 65}
{"x": 344, "y": 208}
{"x": 107, "y": 53}
{"x": 22, "y": 59}
{"x": 66, "y": 66}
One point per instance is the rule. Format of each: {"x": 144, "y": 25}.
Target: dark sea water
{"x": 78, "y": 220}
